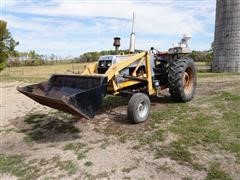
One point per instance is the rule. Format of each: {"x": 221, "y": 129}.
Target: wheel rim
{"x": 188, "y": 81}
{"x": 142, "y": 109}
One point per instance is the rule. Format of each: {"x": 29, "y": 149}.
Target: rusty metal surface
{"x": 75, "y": 94}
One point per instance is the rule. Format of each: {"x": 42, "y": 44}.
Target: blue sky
{"x": 72, "y": 27}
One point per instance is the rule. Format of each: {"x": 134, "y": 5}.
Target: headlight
{"x": 175, "y": 50}
{"x": 101, "y": 63}
{"x": 109, "y": 63}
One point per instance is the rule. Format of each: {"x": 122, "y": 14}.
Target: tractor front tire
{"x": 182, "y": 79}
{"x": 138, "y": 108}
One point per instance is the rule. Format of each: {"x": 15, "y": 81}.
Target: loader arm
{"x": 114, "y": 70}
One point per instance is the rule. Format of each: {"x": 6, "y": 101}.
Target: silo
{"x": 226, "y": 44}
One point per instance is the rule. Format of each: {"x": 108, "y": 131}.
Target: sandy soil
{"x": 14, "y": 105}
{"x": 110, "y": 158}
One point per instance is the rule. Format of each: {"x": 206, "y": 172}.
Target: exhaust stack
{"x": 132, "y": 38}
{"x": 116, "y": 43}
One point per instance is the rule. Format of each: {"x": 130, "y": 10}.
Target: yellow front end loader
{"x": 139, "y": 75}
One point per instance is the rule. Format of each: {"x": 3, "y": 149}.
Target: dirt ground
{"x": 54, "y": 145}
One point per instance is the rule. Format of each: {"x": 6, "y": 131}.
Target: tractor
{"x": 139, "y": 75}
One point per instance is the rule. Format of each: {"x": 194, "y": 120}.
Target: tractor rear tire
{"x": 138, "y": 108}
{"x": 182, "y": 79}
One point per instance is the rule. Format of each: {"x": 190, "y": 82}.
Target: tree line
{"x": 32, "y": 58}
{"x": 10, "y": 57}
{"x": 202, "y": 56}
{"x": 35, "y": 59}
{"x": 94, "y": 55}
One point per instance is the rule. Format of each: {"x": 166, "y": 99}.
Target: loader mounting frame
{"x": 113, "y": 72}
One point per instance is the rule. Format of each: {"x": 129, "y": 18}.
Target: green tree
{"x": 32, "y": 54}
{"x": 7, "y": 44}
{"x": 202, "y": 56}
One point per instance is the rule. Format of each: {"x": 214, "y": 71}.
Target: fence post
{"x": 73, "y": 69}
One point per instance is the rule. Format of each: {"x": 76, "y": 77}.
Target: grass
{"x": 154, "y": 137}
{"x": 123, "y": 138}
{"x": 197, "y": 130}
{"x": 211, "y": 121}
{"x": 217, "y": 75}
{"x": 229, "y": 121}
{"x": 78, "y": 149}
{"x": 35, "y": 74}
{"x": 216, "y": 124}
{"x": 43, "y": 162}
{"x": 176, "y": 151}
{"x": 102, "y": 175}
{"x": 34, "y": 118}
{"x": 14, "y": 165}
{"x": 129, "y": 169}
{"x": 216, "y": 173}
{"x": 110, "y": 102}
{"x": 175, "y": 111}
{"x": 27, "y": 79}
{"x": 179, "y": 152}
{"x": 196, "y": 125}
{"x": 69, "y": 166}
{"x": 43, "y": 71}
{"x": 44, "y": 125}
{"x": 88, "y": 163}
{"x": 105, "y": 143}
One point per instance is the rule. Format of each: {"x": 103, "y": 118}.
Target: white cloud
{"x": 66, "y": 22}
{"x": 151, "y": 17}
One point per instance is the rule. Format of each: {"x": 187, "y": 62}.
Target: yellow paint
{"x": 151, "y": 91}
{"x": 139, "y": 64}
{"x": 128, "y": 84}
{"x": 114, "y": 70}
{"x": 90, "y": 69}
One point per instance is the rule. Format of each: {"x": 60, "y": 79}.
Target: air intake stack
{"x": 132, "y": 38}
{"x": 227, "y": 37}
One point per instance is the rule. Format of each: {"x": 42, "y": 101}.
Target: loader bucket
{"x": 75, "y": 94}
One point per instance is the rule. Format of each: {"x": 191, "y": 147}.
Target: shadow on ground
{"x": 115, "y": 107}
{"x": 51, "y": 127}
{"x": 57, "y": 126}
